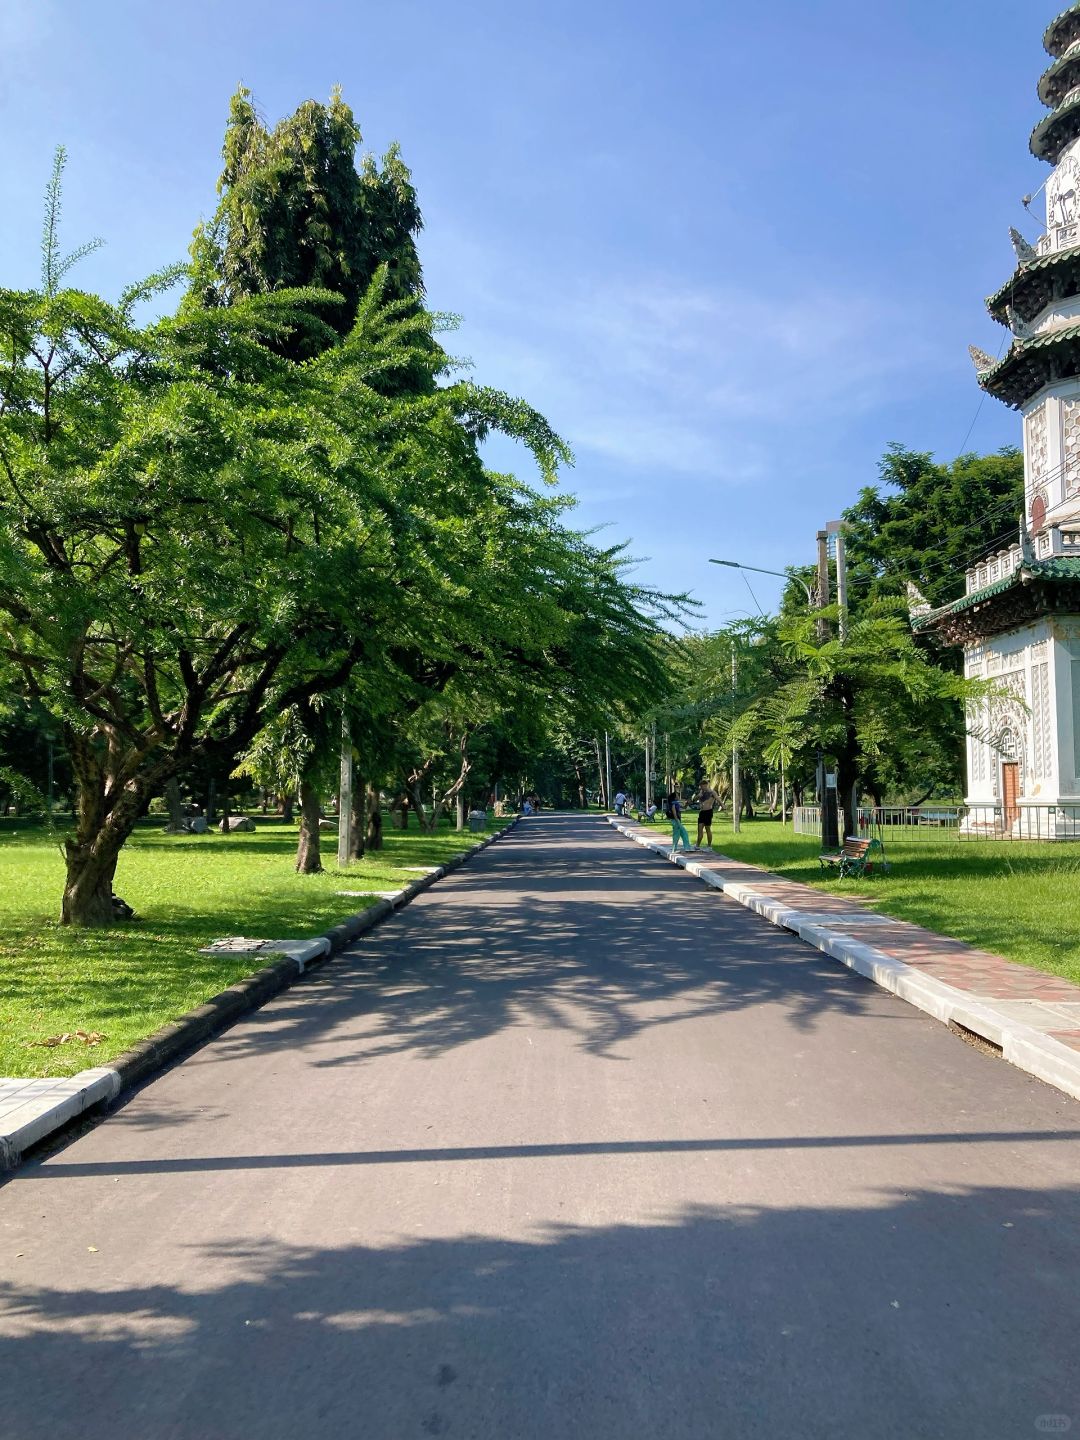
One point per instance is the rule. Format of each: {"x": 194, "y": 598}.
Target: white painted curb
{"x": 30, "y": 1109}
{"x": 1022, "y": 1045}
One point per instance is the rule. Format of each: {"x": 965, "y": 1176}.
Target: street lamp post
{"x": 783, "y": 574}
{"x": 736, "y": 777}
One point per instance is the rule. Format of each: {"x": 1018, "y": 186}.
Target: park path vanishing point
{"x": 572, "y": 1146}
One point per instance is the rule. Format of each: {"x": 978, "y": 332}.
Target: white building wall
{"x": 1018, "y": 724}
{"x": 1036, "y": 722}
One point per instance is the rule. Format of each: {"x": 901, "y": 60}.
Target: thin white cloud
{"x": 658, "y": 374}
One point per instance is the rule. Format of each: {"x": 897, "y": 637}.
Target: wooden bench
{"x": 856, "y": 857}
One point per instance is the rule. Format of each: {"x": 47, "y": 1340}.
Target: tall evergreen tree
{"x": 295, "y": 212}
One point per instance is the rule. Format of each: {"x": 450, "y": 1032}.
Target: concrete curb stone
{"x": 51, "y": 1103}
{"x": 1021, "y": 1045}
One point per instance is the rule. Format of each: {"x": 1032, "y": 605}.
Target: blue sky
{"x": 730, "y": 250}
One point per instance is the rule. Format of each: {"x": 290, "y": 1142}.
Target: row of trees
{"x": 884, "y": 707}
{"x": 229, "y": 528}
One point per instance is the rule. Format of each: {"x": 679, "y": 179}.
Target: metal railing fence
{"x": 1023, "y": 821}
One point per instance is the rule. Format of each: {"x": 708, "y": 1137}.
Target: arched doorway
{"x": 1010, "y": 778}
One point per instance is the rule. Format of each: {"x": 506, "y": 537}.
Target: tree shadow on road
{"x": 602, "y": 946}
{"x": 899, "y": 1315}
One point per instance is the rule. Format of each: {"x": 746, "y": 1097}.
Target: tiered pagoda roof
{"x": 1051, "y": 272}
{"x": 1036, "y": 588}
{"x": 1031, "y": 364}
{"x": 1026, "y": 587}
{"x": 1036, "y": 283}
{"x": 1064, "y": 32}
{"x": 1059, "y": 88}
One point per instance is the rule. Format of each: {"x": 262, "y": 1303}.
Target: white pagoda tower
{"x": 1019, "y": 619}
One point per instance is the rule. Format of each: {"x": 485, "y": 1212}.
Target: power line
{"x": 752, "y": 595}
{"x": 944, "y": 562}
{"x": 982, "y": 397}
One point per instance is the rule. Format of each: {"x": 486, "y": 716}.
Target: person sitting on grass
{"x": 673, "y": 811}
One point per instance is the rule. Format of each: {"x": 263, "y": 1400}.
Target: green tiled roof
{"x": 1060, "y": 78}
{"x": 1036, "y": 291}
{"x": 1056, "y": 130}
{"x": 1028, "y": 365}
{"x": 1063, "y": 30}
{"x": 1058, "y": 569}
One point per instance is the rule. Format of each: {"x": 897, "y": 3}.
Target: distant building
{"x": 1019, "y": 620}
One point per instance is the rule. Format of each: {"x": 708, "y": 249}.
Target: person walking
{"x": 673, "y": 810}
{"x": 706, "y": 803}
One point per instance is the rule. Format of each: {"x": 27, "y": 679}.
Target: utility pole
{"x": 826, "y": 778}
{"x": 607, "y": 769}
{"x": 344, "y": 808}
{"x": 648, "y": 774}
{"x": 736, "y": 778}
{"x": 836, "y": 529}
{"x": 824, "y": 584}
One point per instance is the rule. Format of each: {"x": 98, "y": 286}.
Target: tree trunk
{"x": 418, "y": 805}
{"x": 847, "y": 775}
{"x": 345, "y": 807}
{"x": 100, "y": 832}
{"x": 172, "y": 798}
{"x": 374, "y": 838}
{"x": 88, "y": 887}
{"x": 226, "y": 813}
{"x": 211, "y": 797}
{"x": 460, "y": 811}
{"x": 287, "y": 802}
{"x": 308, "y": 853}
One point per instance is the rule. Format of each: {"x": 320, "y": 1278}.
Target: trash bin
{"x": 477, "y": 821}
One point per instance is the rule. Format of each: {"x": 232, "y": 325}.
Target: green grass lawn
{"x": 1015, "y": 899}
{"x": 126, "y": 982}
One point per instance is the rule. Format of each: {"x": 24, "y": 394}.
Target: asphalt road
{"x": 570, "y": 1147}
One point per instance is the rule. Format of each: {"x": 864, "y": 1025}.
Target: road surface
{"x": 571, "y": 1147}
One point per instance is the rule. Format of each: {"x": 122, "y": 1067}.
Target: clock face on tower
{"x": 1063, "y": 207}
{"x": 1063, "y": 194}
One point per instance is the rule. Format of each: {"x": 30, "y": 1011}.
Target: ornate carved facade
{"x": 1019, "y": 618}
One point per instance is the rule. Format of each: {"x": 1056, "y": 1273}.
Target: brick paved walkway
{"x": 985, "y": 983}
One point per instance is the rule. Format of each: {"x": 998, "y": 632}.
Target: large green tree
{"x": 926, "y": 522}
{"x": 856, "y": 701}
{"x": 198, "y": 531}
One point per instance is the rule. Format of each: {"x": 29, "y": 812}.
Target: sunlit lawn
{"x": 1018, "y": 899}
{"x": 126, "y": 982}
